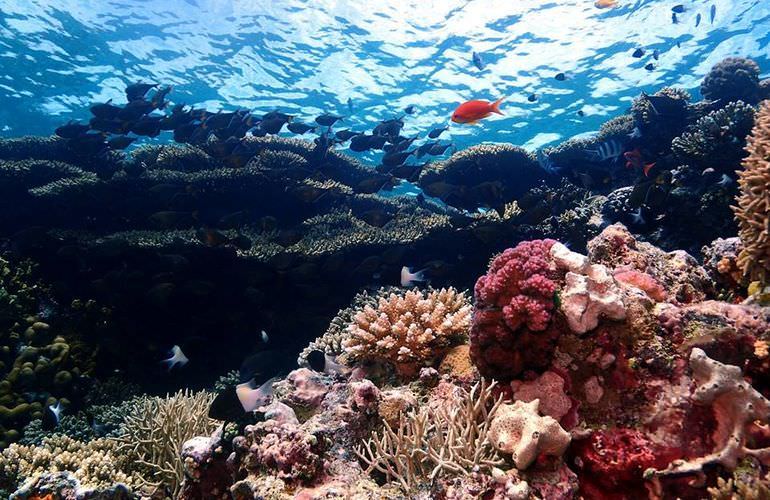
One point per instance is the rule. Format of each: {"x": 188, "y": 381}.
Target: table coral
{"x": 519, "y": 429}
{"x": 409, "y": 330}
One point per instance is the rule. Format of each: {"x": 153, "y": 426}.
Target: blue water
{"x": 306, "y": 57}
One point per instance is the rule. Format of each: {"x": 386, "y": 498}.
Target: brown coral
{"x": 409, "y": 330}
{"x": 753, "y": 210}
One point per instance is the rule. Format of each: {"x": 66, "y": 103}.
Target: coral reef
{"x": 409, "y": 330}
{"x": 753, "y": 204}
{"x": 717, "y": 140}
{"x": 487, "y": 175}
{"x": 520, "y": 430}
{"x": 732, "y": 79}
{"x": 154, "y": 434}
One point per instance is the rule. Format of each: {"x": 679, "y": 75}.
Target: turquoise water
{"x": 307, "y": 57}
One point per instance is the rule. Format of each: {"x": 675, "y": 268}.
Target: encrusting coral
{"x": 409, "y": 330}
{"x": 736, "y": 405}
{"x": 753, "y": 203}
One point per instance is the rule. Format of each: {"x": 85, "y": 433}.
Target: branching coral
{"x": 716, "y": 140}
{"x": 732, "y": 79}
{"x": 736, "y": 406}
{"x": 409, "y": 330}
{"x": 449, "y": 439}
{"x": 154, "y": 435}
{"x": 753, "y": 204}
{"x": 97, "y": 464}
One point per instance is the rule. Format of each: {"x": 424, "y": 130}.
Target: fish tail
{"x": 496, "y": 106}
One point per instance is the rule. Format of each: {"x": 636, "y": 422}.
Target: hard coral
{"x": 736, "y": 407}
{"x": 732, "y": 79}
{"x": 519, "y": 429}
{"x": 409, "y": 330}
{"x": 549, "y": 389}
{"x": 590, "y": 292}
{"x": 514, "y": 306}
{"x": 753, "y": 203}
{"x": 286, "y": 449}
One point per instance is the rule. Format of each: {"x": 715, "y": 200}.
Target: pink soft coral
{"x": 513, "y": 312}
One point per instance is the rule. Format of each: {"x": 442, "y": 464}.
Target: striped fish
{"x": 609, "y": 150}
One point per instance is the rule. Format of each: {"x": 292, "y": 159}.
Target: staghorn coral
{"x": 732, "y": 79}
{"x": 445, "y": 439}
{"x": 716, "y": 140}
{"x": 154, "y": 434}
{"x": 519, "y": 429}
{"x": 736, "y": 406}
{"x": 753, "y": 203}
{"x": 96, "y": 465}
{"x": 409, "y": 330}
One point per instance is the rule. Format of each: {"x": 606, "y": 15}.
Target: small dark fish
{"x": 183, "y": 133}
{"x": 158, "y": 100}
{"x": 674, "y": 19}
{"x": 408, "y": 172}
{"x": 401, "y": 144}
{"x": 299, "y": 128}
{"x": 439, "y": 149}
{"x": 105, "y": 110}
{"x": 698, "y": 19}
{"x": 147, "y": 125}
{"x": 409, "y": 109}
{"x": 120, "y": 142}
{"x": 532, "y": 97}
{"x": 345, "y": 135}
{"x": 272, "y": 126}
{"x": 424, "y": 148}
{"x": 362, "y": 143}
{"x": 478, "y": 61}
{"x": 393, "y": 159}
{"x": 678, "y": 45}
{"x": 327, "y": 120}
{"x": 52, "y": 416}
{"x": 677, "y": 9}
{"x": 135, "y": 110}
{"x": 560, "y": 77}
{"x": 372, "y": 184}
{"x": 219, "y": 120}
{"x": 638, "y": 53}
{"x": 581, "y": 113}
{"x": 277, "y": 115}
{"x": 656, "y": 54}
{"x": 88, "y": 143}
{"x": 436, "y": 132}
{"x": 71, "y": 130}
{"x": 350, "y": 105}
{"x": 649, "y": 67}
{"x": 389, "y": 127}
{"x": 712, "y": 13}
{"x": 137, "y": 91}
{"x": 111, "y": 126}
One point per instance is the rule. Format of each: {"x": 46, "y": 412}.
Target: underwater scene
{"x": 347, "y": 249}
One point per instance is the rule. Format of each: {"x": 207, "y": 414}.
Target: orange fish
{"x": 473, "y": 111}
{"x": 606, "y": 4}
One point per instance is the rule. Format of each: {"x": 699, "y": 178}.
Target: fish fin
{"x": 496, "y": 106}
{"x": 647, "y": 168}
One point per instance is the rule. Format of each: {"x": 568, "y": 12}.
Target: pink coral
{"x": 513, "y": 312}
{"x": 549, "y": 388}
{"x": 306, "y": 388}
{"x": 286, "y": 449}
{"x": 643, "y": 282}
{"x": 518, "y": 283}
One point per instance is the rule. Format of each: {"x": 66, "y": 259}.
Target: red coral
{"x": 514, "y": 301}
{"x": 613, "y": 462}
